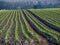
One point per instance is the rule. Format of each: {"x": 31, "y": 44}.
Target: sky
{"x": 33, "y": 2}
{"x": 29, "y": 0}
{"x": 43, "y": 1}
{"x": 10, "y": 0}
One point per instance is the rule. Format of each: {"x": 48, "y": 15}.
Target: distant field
{"x": 30, "y": 27}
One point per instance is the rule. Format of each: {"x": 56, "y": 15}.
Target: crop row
{"x": 30, "y": 25}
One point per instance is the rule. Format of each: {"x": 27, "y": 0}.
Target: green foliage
{"x": 51, "y": 16}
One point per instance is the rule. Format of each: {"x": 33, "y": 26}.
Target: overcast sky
{"x": 43, "y": 1}
{"x": 31, "y": 3}
{"x": 29, "y": 0}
